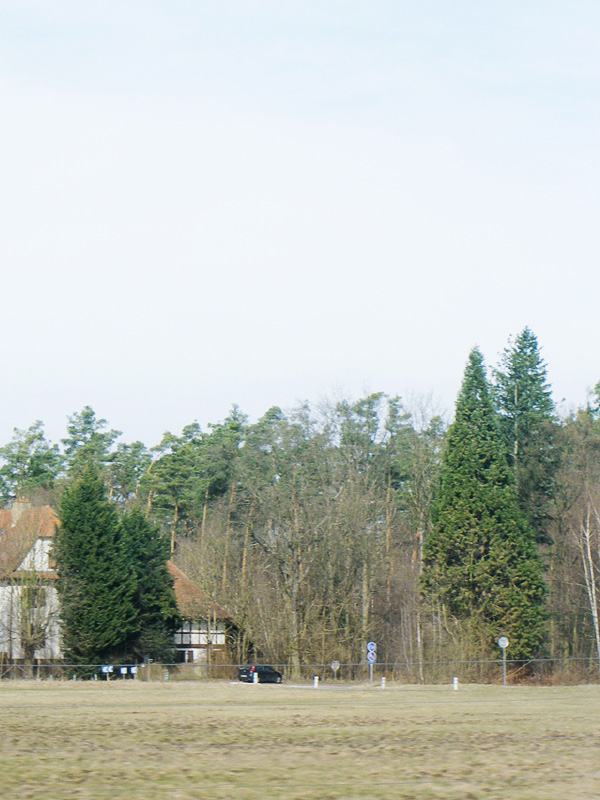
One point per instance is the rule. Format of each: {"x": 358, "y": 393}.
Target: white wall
{"x": 45, "y": 615}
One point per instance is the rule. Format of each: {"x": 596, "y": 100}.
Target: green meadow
{"x": 91, "y": 741}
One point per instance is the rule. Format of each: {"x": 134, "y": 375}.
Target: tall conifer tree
{"x": 156, "y": 607}
{"x": 96, "y": 578}
{"x": 480, "y": 561}
{"x": 526, "y": 408}
{"x": 88, "y": 443}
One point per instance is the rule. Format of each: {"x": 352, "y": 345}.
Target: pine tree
{"x": 97, "y": 581}
{"x": 524, "y": 401}
{"x": 480, "y": 561}
{"x": 88, "y": 443}
{"x": 30, "y": 464}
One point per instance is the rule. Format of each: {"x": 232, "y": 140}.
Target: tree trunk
{"x": 203, "y": 526}
{"x": 294, "y": 632}
{"x": 388, "y": 546}
{"x": 366, "y": 605}
{"x": 175, "y": 518}
{"x": 246, "y": 546}
{"x": 227, "y": 539}
{"x": 589, "y": 571}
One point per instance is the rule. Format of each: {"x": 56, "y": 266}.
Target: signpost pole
{"x": 371, "y": 658}
{"x": 503, "y": 643}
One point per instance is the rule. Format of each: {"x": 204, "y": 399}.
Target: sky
{"x": 260, "y": 203}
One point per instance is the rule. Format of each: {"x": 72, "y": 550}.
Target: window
{"x": 33, "y": 597}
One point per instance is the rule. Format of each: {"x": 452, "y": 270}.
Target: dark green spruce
{"x": 480, "y": 560}
{"x": 117, "y": 598}
{"x": 97, "y": 582}
{"x": 528, "y": 427}
{"x": 154, "y": 598}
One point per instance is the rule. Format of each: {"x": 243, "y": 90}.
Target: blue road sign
{"x": 371, "y": 647}
{"x": 371, "y": 657}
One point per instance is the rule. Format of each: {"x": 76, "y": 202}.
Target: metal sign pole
{"x": 503, "y": 643}
{"x": 371, "y": 658}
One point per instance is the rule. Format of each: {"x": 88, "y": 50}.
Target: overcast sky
{"x": 207, "y": 203}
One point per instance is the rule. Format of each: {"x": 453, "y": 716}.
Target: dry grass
{"x": 196, "y": 740}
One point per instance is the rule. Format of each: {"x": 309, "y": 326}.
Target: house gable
{"x": 29, "y": 618}
{"x": 206, "y": 623}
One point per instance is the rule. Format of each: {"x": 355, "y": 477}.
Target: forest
{"x": 328, "y": 525}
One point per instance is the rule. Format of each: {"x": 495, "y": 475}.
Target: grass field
{"x": 219, "y": 740}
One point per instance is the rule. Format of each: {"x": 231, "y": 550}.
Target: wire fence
{"x": 542, "y": 671}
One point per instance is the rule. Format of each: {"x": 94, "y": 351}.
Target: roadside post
{"x": 371, "y": 658}
{"x": 503, "y": 643}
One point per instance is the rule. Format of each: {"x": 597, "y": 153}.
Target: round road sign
{"x": 503, "y": 642}
{"x": 371, "y": 657}
{"x": 371, "y": 647}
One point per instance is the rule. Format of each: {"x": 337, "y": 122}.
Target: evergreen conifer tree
{"x": 526, "y": 408}
{"x": 480, "y": 561}
{"x": 29, "y": 464}
{"x": 88, "y": 443}
{"x": 117, "y": 598}
{"x": 154, "y": 598}
{"x": 97, "y": 581}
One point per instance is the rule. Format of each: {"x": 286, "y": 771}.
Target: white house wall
{"x": 194, "y": 638}
{"x": 38, "y": 558}
{"x": 7, "y": 634}
{"x": 10, "y": 622}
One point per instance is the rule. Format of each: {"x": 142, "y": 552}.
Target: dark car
{"x": 265, "y": 674}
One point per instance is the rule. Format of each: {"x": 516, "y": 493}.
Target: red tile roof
{"x": 193, "y": 603}
{"x": 20, "y": 526}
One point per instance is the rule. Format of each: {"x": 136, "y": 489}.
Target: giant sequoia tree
{"x": 480, "y": 562}
{"x": 528, "y": 428}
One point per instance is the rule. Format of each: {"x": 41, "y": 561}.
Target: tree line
{"x": 328, "y": 525}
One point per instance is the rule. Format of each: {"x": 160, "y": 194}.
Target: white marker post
{"x": 503, "y": 643}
